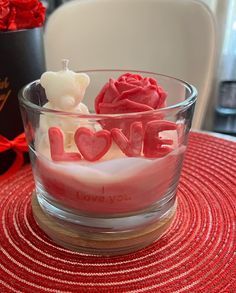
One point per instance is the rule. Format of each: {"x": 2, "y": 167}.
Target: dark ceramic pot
{"x": 21, "y": 61}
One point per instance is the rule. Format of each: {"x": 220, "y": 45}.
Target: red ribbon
{"x": 19, "y": 145}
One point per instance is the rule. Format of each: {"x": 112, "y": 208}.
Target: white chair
{"x": 172, "y": 37}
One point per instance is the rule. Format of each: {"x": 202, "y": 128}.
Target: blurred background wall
{"x": 221, "y": 112}
{"x": 222, "y": 105}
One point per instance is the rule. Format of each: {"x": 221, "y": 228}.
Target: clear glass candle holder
{"x": 106, "y": 183}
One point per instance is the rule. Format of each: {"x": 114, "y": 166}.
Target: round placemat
{"x": 195, "y": 255}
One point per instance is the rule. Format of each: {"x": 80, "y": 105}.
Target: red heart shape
{"x": 92, "y": 145}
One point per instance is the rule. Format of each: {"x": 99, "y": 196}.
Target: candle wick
{"x": 65, "y": 63}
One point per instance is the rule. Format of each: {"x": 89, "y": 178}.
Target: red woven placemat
{"x": 195, "y": 255}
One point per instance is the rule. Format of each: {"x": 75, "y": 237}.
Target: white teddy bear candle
{"x": 65, "y": 90}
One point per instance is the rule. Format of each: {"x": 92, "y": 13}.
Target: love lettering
{"x": 92, "y": 146}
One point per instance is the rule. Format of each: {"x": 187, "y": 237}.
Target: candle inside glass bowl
{"x": 106, "y": 182}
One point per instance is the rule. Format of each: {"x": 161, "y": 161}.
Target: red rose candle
{"x": 128, "y": 94}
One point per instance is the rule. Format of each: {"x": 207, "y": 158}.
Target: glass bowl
{"x": 106, "y": 183}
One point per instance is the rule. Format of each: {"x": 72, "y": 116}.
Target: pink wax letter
{"x": 154, "y": 145}
{"x": 58, "y": 153}
{"x": 133, "y": 146}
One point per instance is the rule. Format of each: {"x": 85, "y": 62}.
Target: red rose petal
{"x": 12, "y": 26}
{"x": 2, "y": 25}
{"x": 124, "y": 86}
{"x": 133, "y": 81}
{"x": 144, "y": 96}
{"x": 152, "y": 81}
{"x": 123, "y": 106}
{"x": 111, "y": 92}
{"x": 4, "y": 10}
{"x": 129, "y": 93}
{"x": 24, "y": 4}
{"x": 99, "y": 98}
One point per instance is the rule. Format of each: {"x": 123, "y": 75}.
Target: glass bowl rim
{"x": 191, "y": 99}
